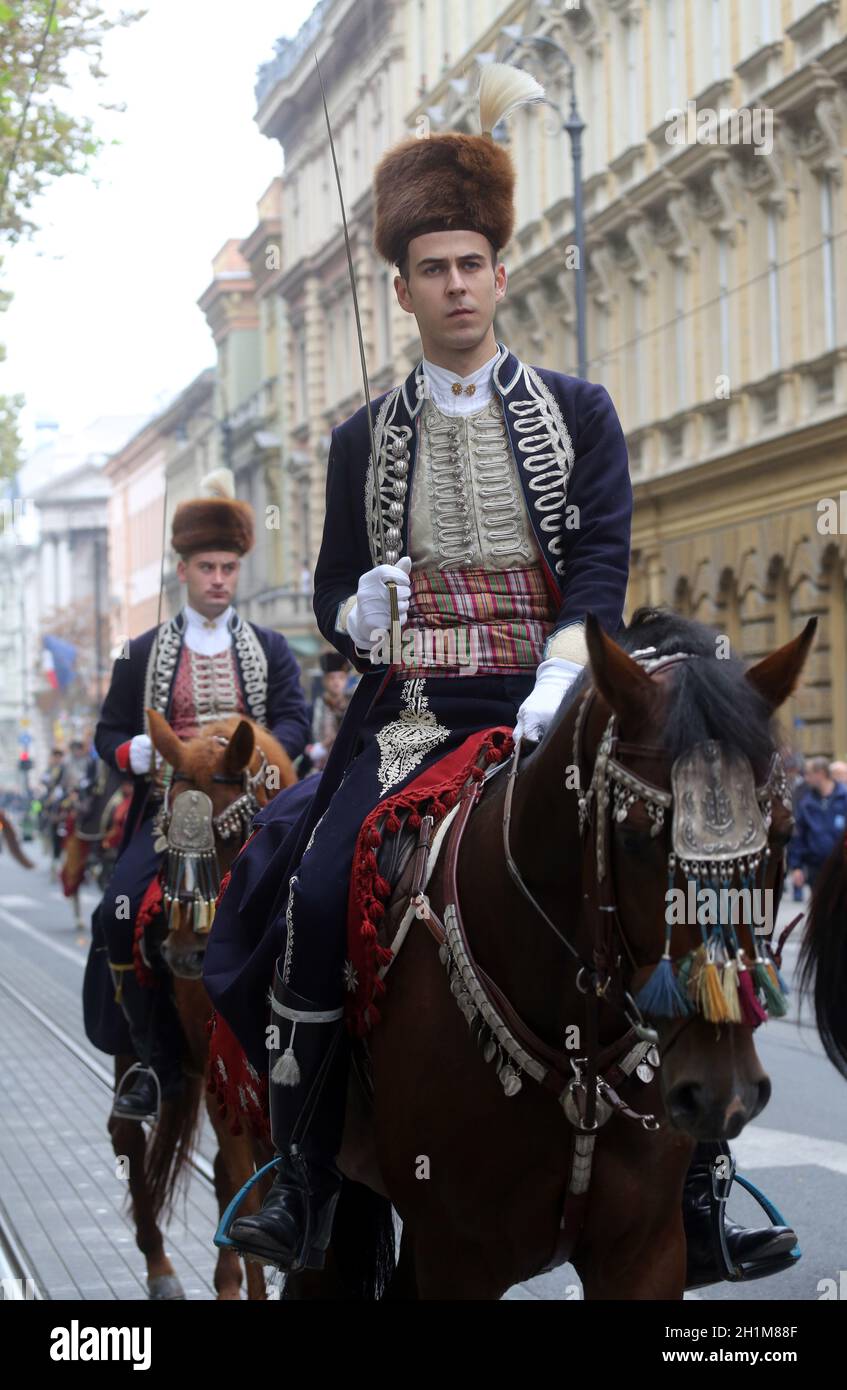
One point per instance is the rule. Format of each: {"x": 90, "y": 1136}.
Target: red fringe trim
{"x": 433, "y": 793}
{"x": 242, "y": 1095}
{"x": 150, "y": 909}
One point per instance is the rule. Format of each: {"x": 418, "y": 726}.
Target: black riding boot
{"x": 750, "y": 1252}
{"x": 308, "y": 1092}
{"x": 156, "y": 1035}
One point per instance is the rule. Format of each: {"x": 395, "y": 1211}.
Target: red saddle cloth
{"x": 242, "y": 1095}
{"x": 433, "y": 793}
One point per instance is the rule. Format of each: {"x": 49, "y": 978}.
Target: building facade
{"x": 713, "y": 186}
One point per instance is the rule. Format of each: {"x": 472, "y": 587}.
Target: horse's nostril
{"x": 685, "y": 1101}
{"x": 763, "y": 1096}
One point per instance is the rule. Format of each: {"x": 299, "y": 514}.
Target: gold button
{"x": 457, "y": 388}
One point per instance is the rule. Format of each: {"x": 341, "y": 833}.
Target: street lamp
{"x": 574, "y": 125}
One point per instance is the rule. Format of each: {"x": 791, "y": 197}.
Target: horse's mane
{"x": 710, "y": 697}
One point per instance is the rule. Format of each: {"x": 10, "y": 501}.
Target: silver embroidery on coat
{"x": 467, "y": 509}
{"x": 393, "y": 462}
{"x": 548, "y": 456}
{"x": 289, "y": 930}
{"x": 405, "y": 742}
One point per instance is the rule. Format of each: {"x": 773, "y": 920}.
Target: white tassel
{"x": 502, "y": 89}
{"x": 286, "y": 1070}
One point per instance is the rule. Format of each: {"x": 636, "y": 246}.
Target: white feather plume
{"x": 502, "y": 89}
{"x": 220, "y": 483}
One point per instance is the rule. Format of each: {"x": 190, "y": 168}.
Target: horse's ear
{"x": 624, "y": 685}
{"x": 239, "y": 750}
{"x": 777, "y": 675}
{"x": 164, "y": 740}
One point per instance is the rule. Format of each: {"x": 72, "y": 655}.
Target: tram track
{"x": 198, "y": 1164}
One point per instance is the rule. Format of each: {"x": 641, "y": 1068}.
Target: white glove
{"x": 141, "y": 753}
{"x": 553, "y": 679}
{"x": 372, "y": 610}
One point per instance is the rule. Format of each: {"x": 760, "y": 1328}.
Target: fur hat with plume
{"x": 215, "y": 520}
{"x": 453, "y": 182}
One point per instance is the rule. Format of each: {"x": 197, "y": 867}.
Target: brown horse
{"x": 477, "y": 1172}
{"x": 7, "y": 830}
{"x": 229, "y": 760}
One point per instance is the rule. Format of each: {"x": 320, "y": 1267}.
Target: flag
{"x": 58, "y": 662}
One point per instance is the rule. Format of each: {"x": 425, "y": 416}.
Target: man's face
{"x": 211, "y": 578}
{"x": 334, "y": 682}
{"x": 449, "y": 272}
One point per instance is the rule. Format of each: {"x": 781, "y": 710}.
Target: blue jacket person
{"x": 202, "y": 665}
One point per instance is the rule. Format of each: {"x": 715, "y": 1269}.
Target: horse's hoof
{"x": 164, "y": 1286}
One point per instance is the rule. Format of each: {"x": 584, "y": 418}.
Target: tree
{"x": 40, "y": 42}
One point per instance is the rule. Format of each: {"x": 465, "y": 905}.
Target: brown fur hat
{"x": 446, "y": 183}
{"x": 215, "y": 521}
{"x": 453, "y": 182}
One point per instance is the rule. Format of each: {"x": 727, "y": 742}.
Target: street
{"x": 57, "y": 1172}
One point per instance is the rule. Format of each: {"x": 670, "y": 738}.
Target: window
{"x": 723, "y": 305}
{"x": 828, "y": 261}
{"x": 720, "y": 426}
{"x": 773, "y": 288}
{"x": 679, "y": 332}
{"x": 769, "y": 407}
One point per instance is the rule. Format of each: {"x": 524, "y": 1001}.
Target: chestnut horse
{"x": 7, "y": 830}
{"x": 217, "y": 762}
{"x": 477, "y": 1174}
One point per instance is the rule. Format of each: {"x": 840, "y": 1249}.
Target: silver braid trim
{"x": 161, "y": 665}
{"x": 547, "y": 456}
{"x": 254, "y": 670}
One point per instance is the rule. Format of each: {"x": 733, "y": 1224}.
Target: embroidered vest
{"x": 205, "y": 689}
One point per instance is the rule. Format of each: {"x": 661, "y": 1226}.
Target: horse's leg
{"x": 233, "y": 1166}
{"x": 652, "y": 1267}
{"x": 129, "y": 1143}
{"x": 633, "y": 1244}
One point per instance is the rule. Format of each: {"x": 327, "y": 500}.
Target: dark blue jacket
{"x": 570, "y": 453}
{"x": 283, "y": 706}
{"x": 821, "y": 821}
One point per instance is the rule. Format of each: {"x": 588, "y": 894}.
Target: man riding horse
{"x": 197, "y": 668}
{"x": 506, "y": 504}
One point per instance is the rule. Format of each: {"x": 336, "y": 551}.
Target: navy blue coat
{"x": 284, "y": 709}
{"x": 821, "y": 822}
{"x": 585, "y": 477}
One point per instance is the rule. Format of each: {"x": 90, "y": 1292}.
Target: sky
{"x": 104, "y": 318}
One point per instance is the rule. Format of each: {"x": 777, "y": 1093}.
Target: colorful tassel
{"x": 772, "y": 961}
{"x": 765, "y": 977}
{"x": 729, "y": 985}
{"x": 660, "y": 996}
{"x": 752, "y": 1012}
{"x": 710, "y": 995}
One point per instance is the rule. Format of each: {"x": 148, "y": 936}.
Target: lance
{"x": 391, "y": 586}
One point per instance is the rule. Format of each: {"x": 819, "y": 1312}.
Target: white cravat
{"x": 439, "y": 383}
{"x": 208, "y": 636}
